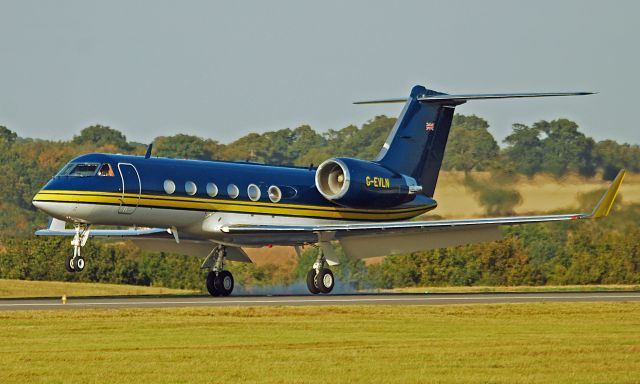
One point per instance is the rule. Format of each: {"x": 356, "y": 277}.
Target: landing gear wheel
{"x": 211, "y": 277}
{"x": 68, "y": 264}
{"x": 311, "y": 284}
{"x": 78, "y": 264}
{"x": 325, "y": 281}
{"x": 223, "y": 283}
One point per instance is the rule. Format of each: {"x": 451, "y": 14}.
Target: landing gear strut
{"x": 219, "y": 281}
{"x": 76, "y": 262}
{"x": 319, "y": 278}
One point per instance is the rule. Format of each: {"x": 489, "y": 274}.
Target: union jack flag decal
{"x": 430, "y": 126}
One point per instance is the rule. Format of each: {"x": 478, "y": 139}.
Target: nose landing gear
{"x": 319, "y": 278}
{"x": 219, "y": 281}
{"x": 76, "y": 262}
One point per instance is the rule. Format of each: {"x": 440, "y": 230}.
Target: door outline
{"x": 128, "y": 209}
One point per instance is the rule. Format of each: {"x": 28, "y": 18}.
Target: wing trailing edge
{"x": 362, "y": 240}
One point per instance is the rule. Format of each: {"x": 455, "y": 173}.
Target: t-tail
{"x": 415, "y": 147}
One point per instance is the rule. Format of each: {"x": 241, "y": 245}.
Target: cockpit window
{"x": 106, "y": 170}
{"x": 79, "y": 169}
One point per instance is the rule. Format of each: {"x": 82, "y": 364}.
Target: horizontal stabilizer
{"x": 489, "y": 96}
{"x": 437, "y": 97}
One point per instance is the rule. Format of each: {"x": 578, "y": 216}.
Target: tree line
{"x": 556, "y": 147}
{"x": 537, "y": 254}
{"x": 603, "y": 252}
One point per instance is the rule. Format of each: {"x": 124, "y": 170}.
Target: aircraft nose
{"x": 41, "y": 205}
{"x": 51, "y": 208}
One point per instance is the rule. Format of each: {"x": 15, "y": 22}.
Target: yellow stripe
{"x": 231, "y": 202}
{"x": 212, "y": 205}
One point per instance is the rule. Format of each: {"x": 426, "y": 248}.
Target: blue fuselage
{"x": 165, "y": 189}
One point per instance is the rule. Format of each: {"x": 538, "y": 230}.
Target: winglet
{"x": 606, "y": 202}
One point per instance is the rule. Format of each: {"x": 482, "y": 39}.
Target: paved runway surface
{"x": 353, "y": 299}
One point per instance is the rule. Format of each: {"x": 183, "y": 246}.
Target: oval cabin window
{"x": 190, "y": 188}
{"x": 254, "y": 192}
{"x": 169, "y": 187}
{"x": 233, "y": 191}
{"x": 212, "y": 189}
{"x": 274, "y": 193}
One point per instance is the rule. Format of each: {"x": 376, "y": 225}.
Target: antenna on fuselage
{"x": 148, "y": 154}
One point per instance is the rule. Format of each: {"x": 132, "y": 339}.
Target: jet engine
{"x": 357, "y": 183}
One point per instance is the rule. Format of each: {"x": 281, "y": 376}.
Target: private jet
{"x": 215, "y": 209}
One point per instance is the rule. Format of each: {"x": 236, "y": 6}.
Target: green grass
{"x": 542, "y": 342}
{"x": 27, "y": 288}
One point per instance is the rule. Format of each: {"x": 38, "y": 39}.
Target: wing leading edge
{"x": 361, "y": 240}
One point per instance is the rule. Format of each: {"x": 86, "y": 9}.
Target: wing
{"x": 152, "y": 239}
{"x": 55, "y": 229}
{"x": 361, "y": 240}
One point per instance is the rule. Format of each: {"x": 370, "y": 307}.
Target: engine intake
{"x": 333, "y": 179}
{"x": 363, "y": 184}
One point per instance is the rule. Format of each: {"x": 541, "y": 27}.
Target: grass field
{"x": 26, "y": 288}
{"x": 544, "y": 342}
{"x": 542, "y": 193}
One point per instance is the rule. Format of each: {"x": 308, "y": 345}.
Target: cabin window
{"x": 274, "y": 193}
{"x": 190, "y": 188}
{"x": 169, "y": 186}
{"x": 79, "y": 170}
{"x": 106, "y": 170}
{"x": 254, "y": 192}
{"x": 233, "y": 191}
{"x": 212, "y": 189}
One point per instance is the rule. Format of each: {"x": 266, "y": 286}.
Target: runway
{"x": 306, "y": 300}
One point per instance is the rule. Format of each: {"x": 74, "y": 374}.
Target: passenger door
{"x": 131, "y": 188}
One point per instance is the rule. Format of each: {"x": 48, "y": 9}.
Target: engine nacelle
{"x": 363, "y": 184}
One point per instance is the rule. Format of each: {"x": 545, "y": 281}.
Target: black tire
{"x": 68, "y": 264}
{"x": 311, "y": 276}
{"x": 211, "y": 277}
{"x": 325, "y": 280}
{"x": 223, "y": 283}
{"x": 79, "y": 264}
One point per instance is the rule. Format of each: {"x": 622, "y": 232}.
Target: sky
{"x": 222, "y": 69}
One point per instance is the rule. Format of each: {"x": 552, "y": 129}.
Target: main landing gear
{"x": 76, "y": 262}
{"x": 219, "y": 281}
{"x": 319, "y": 278}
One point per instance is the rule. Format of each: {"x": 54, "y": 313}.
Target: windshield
{"x": 79, "y": 169}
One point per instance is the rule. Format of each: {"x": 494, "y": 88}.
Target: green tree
{"x": 7, "y": 136}
{"x": 524, "y": 149}
{"x": 471, "y": 146}
{"x": 182, "y": 146}
{"x": 611, "y": 157}
{"x": 305, "y": 140}
{"x": 100, "y": 135}
{"x": 369, "y": 139}
{"x": 565, "y": 148}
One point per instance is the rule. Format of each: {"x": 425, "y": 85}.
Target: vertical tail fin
{"x": 415, "y": 147}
